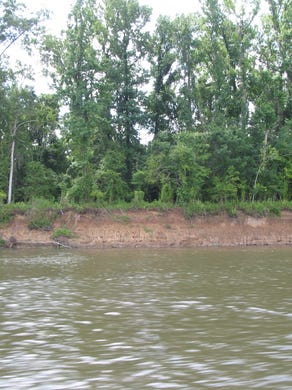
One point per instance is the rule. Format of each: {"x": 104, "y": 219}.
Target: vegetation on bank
{"x": 42, "y": 213}
{"x": 213, "y": 89}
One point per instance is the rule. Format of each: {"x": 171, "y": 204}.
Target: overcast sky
{"x": 61, "y": 8}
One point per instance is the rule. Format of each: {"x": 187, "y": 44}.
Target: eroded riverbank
{"x": 151, "y": 228}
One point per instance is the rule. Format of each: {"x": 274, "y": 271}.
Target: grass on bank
{"x": 41, "y": 213}
{"x": 256, "y": 209}
{"x": 63, "y": 232}
{"x": 2, "y": 242}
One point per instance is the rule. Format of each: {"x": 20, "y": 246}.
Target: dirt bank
{"x": 152, "y": 228}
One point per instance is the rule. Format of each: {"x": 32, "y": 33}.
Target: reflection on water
{"x": 181, "y": 319}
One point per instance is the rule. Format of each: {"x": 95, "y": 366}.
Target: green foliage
{"x": 41, "y": 218}
{"x": 138, "y": 200}
{"x": 138, "y": 179}
{"x": 39, "y": 203}
{"x": 40, "y": 222}
{"x": 2, "y": 197}
{"x": 6, "y": 213}
{"x": 13, "y": 25}
{"x": 2, "y": 242}
{"x": 214, "y": 89}
{"x": 40, "y": 181}
{"x": 286, "y": 205}
{"x": 63, "y": 232}
{"x": 199, "y": 208}
{"x": 159, "y": 205}
{"x": 166, "y": 194}
{"x": 176, "y": 168}
{"x": 139, "y": 196}
{"x": 261, "y": 208}
{"x": 81, "y": 189}
{"x": 226, "y": 187}
{"x": 257, "y": 209}
{"x": 111, "y": 185}
{"x": 231, "y": 209}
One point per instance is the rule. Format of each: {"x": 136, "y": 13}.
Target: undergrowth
{"x": 256, "y": 209}
{"x": 2, "y": 242}
{"x": 41, "y": 219}
{"x": 41, "y": 213}
{"x": 63, "y": 232}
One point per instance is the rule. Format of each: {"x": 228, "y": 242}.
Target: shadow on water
{"x": 134, "y": 319}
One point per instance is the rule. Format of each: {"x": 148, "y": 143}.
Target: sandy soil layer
{"x": 152, "y": 228}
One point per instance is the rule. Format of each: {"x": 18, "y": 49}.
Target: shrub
{"x": 201, "y": 208}
{"x": 139, "y": 196}
{"x": 2, "y": 197}
{"x": 63, "y": 232}
{"x": 166, "y": 194}
{"x": 42, "y": 203}
{"x": 6, "y": 213}
{"x": 2, "y": 242}
{"x": 231, "y": 209}
{"x": 41, "y": 219}
{"x": 40, "y": 181}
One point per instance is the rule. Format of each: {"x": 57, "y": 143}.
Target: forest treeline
{"x": 212, "y": 89}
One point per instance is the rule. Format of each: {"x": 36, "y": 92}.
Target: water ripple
{"x": 134, "y": 320}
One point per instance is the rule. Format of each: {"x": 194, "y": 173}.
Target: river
{"x": 146, "y": 319}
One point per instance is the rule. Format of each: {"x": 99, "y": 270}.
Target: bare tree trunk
{"x": 9, "y": 198}
{"x": 262, "y": 162}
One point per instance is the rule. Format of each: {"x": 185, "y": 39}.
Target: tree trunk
{"x": 262, "y": 163}
{"x": 9, "y": 198}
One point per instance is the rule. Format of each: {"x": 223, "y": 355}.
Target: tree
{"x": 277, "y": 53}
{"x": 272, "y": 91}
{"x": 98, "y": 72}
{"x": 189, "y": 66}
{"x": 229, "y": 41}
{"x": 188, "y": 161}
{"x": 18, "y": 123}
{"x": 14, "y": 25}
{"x": 40, "y": 182}
{"x": 14, "y": 100}
{"x": 124, "y": 43}
{"x": 27, "y": 135}
{"x": 161, "y": 102}
{"x": 74, "y": 65}
{"x": 226, "y": 188}
{"x": 176, "y": 167}
{"x": 214, "y": 89}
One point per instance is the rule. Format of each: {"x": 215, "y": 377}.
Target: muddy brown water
{"x": 146, "y": 319}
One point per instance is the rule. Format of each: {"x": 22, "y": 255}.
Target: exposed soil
{"x": 152, "y": 228}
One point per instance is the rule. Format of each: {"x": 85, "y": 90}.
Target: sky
{"x": 59, "y": 10}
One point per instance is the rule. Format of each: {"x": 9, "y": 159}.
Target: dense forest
{"x": 211, "y": 89}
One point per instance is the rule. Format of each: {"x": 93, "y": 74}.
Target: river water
{"x": 146, "y": 319}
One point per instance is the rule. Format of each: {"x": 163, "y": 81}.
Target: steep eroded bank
{"x": 152, "y": 228}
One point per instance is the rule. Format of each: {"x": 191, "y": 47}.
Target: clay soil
{"x": 152, "y": 228}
